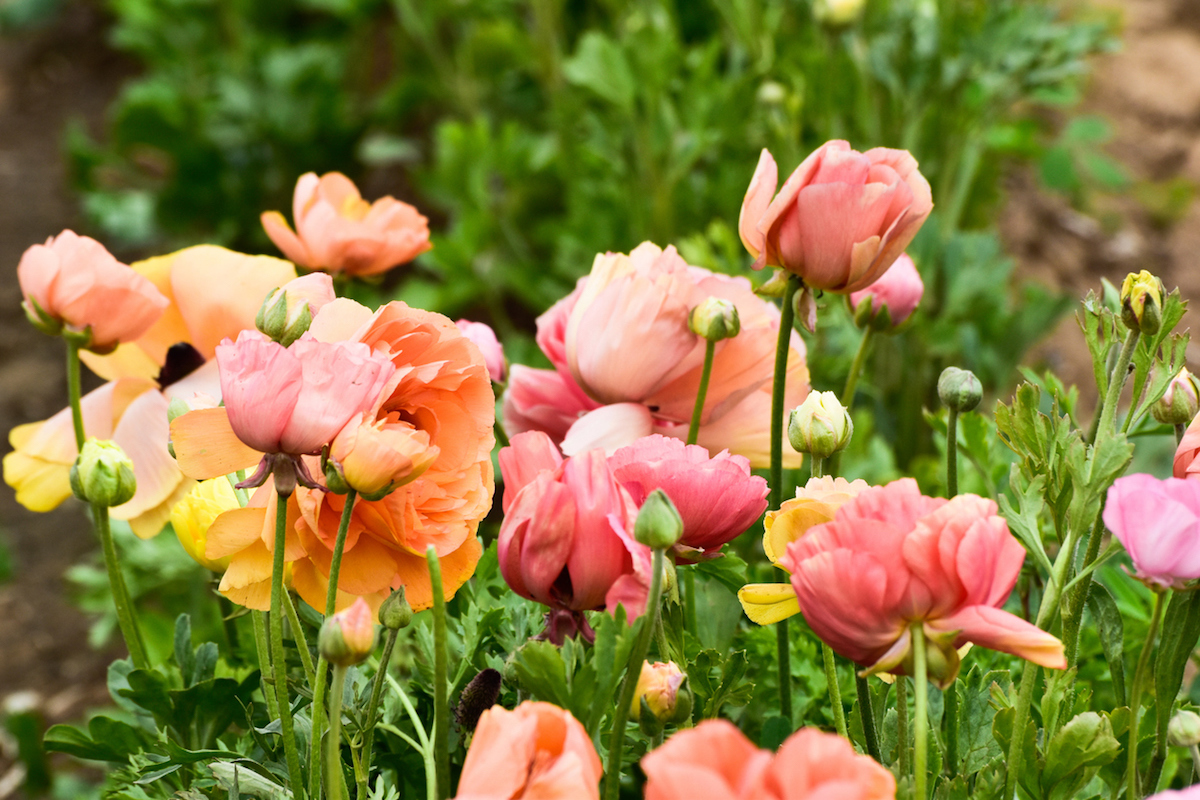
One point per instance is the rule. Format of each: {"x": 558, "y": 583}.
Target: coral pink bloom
{"x": 75, "y": 281}
{"x": 1158, "y": 522}
{"x": 214, "y": 293}
{"x": 900, "y": 289}
{"x": 892, "y": 558}
{"x": 717, "y": 497}
{"x": 716, "y": 761}
{"x": 537, "y": 750}
{"x": 296, "y": 399}
{"x": 338, "y": 231}
{"x": 1186, "y": 465}
{"x": 626, "y": 364}
{"x": 485, "y": 339}
{"x": 567, "y": 536}
{"x": 840, "y": 220}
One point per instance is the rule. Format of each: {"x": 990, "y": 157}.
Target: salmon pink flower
{"x": 338, "y": 231}
{"x": 1186, "y": 464}
{"x": 73, "y": 280}
{"x": 717, "y": 497}
{"x": 898, "y": 292}
{"x": 893, "y": 558}
{"x": 1158, "y": 522}
{"x": 715, "y": 760}
{"x": 485, "y": 339}
{"x": 840, "y": 220}
{"x": 537, "y": 750}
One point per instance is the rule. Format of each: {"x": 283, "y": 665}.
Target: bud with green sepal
{"x": 40, "y": 318}
{"x": 1184, "y": 729}
{"x": 1180, "y": 402}
{"x": 820, "y": 426}
{"x": 959, "y": 389}
{"x": 348, "y": 637}
{"x": 395, "y": 613}
{"x": 658, "y": 522}
{"x": 103, "y": 475}
{"x": 661, "y": 697}
{"x": 1142, "y": 302}
{"x": 715, "y": 319}
{"x": 288, "y": 311}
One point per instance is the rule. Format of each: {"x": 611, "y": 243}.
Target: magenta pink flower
{"x": 483, "y": 337}
{"x": 1158, "y": 522}
{"x": 899, "y": 290}
{"x": 840, "y": 220}
{"x": 717, "y": 497}
{"x": 892, "y": 558}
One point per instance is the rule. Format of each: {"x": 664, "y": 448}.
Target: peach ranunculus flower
{"x": 816, "y": 502}
{"x": 74, "y": 281}
{"x": 337, "y": 231}
{"x": 376, "y": 457}
{"x": 537, "y": 750}
{"x": 214, "y": 294}
{"x": 893, "y": 558}
{"x": 716, "y": 761}
{"x": 441, "y": 387}
{"x": 626, "y": 365}
{"x": 841, "y": 219}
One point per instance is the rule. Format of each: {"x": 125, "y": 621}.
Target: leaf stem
{"x": 867, "y": 717}
{"x": 126, "y": 619}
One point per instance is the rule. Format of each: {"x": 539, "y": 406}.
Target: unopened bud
{"x": 959, "y": 389}
{"x": 1141, "y": 302}
{"x": 658, "y": 522}
{"x": 1184, "y": 729}
{"x": 395, "y": 613}
{"x": 348, "y": 637}
{"x": 288, "y": 311}
{"x": 481, "y": 694}
{"x": 661, "y": 696}
{"x": 1180, "y": 402}
{"x": 103, "y": 475}
{"x": 820, "y": 425}
{"x": 715, "y": 319}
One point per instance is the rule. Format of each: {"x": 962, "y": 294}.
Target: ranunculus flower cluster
{"x": 1158, "y": 522}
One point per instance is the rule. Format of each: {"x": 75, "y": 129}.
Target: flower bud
{"x": 288, "y": 311}
{"x": 1180, "y": 402}
{"x": 348, "y": 637}
{"x": 715, "y": 319}
{"x": 837, "y": 13}
{"x": 820, "y": 425}
{"x": 483, "y": 337}
{"x": 1141, "y": 302}
{"x": 658, "y": 522}
{"x": 103, "y": 475}
{"x": 891, "y": 300}
{"x": 375, "y": 458}
{"x": 481, "y": 694}
{"x": 1184, "y": 729}
{"x": 395, "y": 613}
{"x": 194, "y": 515}
{"x": 959, "y": 389}
{"x": 661, "y": 695}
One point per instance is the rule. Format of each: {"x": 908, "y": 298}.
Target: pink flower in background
{"x": 892, "y": 557}
{"x": 1186, "y": 465}
{"x": 717, "y": 497}
{"x": 1158, "y": 522}
{"x": 841, "y": 218}
{"x": 75, "y": 281}
{"x": 483, "y": 337}
{"x": 1190, "y": 793}
{"x": 338, "y": 231}
{"x": 899, "y": 289}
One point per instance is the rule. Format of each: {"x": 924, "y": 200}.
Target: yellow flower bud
{"x": 194, "y": 515}
{"x": 1141, "y": 302}
{"x": 660, "y": 688}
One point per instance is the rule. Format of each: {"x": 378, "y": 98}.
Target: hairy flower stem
{"x": 73, "y": 393}
{"x": 952, "y": 453}
{"x": 125, "y": 616}
{"x": 860, "y": 358}
{"x": 782, "y": 348}
{"x": 702, "y": 392}
{"x": 333, "y": 743}
{"x": 306, "y": 663}
{"x": 835, "y": 692}
{"x": 364, "y": 773}
{"x": 633, "y": 671}
{"x": 441, "y": 703}
{"x": 1116, "y": 383}
{"x": 1135, "y": 697}
{"x": 278, "y": 657}
{"x": 902, "y": 747}
{"x": 1180, "y": 430}
{"x": 921, "y": 712}
{"x": 867, "y": 717}
{"x": 263, "y": 645}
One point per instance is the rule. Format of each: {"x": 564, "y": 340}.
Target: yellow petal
{"x": 41, "y": 485}
{"x": 768, "y": 603}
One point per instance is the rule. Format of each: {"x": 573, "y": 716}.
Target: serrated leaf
{"x": 1085, "y": 741}
{"x": 1023, "y": 518}
{"x": 249, "y": 782}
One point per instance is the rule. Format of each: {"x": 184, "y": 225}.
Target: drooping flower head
{"x": 1158, "y": 522}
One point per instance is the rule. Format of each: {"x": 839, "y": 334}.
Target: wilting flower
{"x": 338, "y": 231}
{"x": 892, "y": 299}
{"x": 840, "y": 220}
{"x": 374, "y": 458}
{"x": 348, "y": 637}
{"x": 717, "y": 497}
{"x": 815, "y": 503}
{"x": 715, "y": 760}
{"x": 214, "y": 294}
{"x": 195, "y": 513}
{"x": 537, "y": 750}
{"x": 1158, "y": 522}
{"x": 893, "y": 558}
{"x": 627, "y": 365}
{"x": 74, "y": 281}
{"x": 485, "y": 339}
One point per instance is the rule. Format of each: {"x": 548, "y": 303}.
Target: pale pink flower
{"x": 900, "y": 290}
{"x": 1158, "y": 522}
{"x": 483, "y": 337}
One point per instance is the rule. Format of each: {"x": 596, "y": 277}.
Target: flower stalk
{"x": 333, "y": 742}
{"x": 706, "y": 373}
{"x": 1135, "y": 695}
{"x": 921, "y": 711}
{"x": 364, "y": 772}
{"x": 441, "y": 703}
{"x": 278, "y": 657}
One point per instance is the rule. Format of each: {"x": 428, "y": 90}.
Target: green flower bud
{"x": 1141, "y": 302}
{"x": 959, "y": 389}
{"x": 176, "y": 409}
{"x": 348, "y": 637}
{"x": 1184, "y": 729}
{"x": 820, "y": 425}
{"x": 715, "y": 319}
{"x": 1180, "y": 402}
{"x": 103, "y": 475}
{"x": 395, "y": 613}
{"x": 288, "y": 311}
{"x": 658, "y": 522}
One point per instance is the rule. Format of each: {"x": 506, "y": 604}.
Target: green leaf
{"x": 107, "y": 739}
{"x": 540, "y": 671}
{"x": 1023, "y": 518}
{"x": 1180, "y": 631}
{"x": 600, "y": 65}
{"x": 249, "y": 781}
{"x": 184, "y": 656}
{"x": 1002, "y": 729}
{"x": 1111, "y": 629}
{"x": 1085, "y": 741}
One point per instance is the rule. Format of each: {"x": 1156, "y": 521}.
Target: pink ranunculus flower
{"x": 296, "y": 399}
{"x": 567, "y": 536}
{"x": 1190, "y": 793}
{"x": 483, "y": 337}
{"x": 1158, "y": 522}
{"x": 626, "y": 365}
{"x": 716, "y": 496}
{"x": 899, "y": 290}
{"x": 74, "y": 281}
{"x": 840, "y": 220}
{"x": 892, "y": 558}
{"x": 338, "y": 231}
{"x": 1186, "y": 464}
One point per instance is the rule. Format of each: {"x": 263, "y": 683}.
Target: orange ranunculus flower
{"x": 537, "y": 750}
{"x": 214, "y": 293}
{"x": 338, "y": 231}
{"x": 375, "y": 457}
{"x": 441, "y": 387}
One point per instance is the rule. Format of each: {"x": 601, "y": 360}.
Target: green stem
{"x": 298, "y": 637}
{"x": 364, "y": 774}
{"x": 702, "y": 392}
{"x": 817, "y": 466}
{"x": 228, "y": 623}
{"x": 441, "y": 705}
{"x": 1073, "y": 618}
{"x": 1116, "y": 383}
{"x": 952, "y": 453}
{"x": 263, "y": 646}
{"x": 1135, "y": 698}
{"x": 867, "y": 718}
{"x": 1196, "y": 761}
{"x": 902, "y": 748}
{"x": 424, "y": 748}
{"x": 1180, "y": 430}
{"x": 333, "y": 743}
{"x": 125, "y": 617}
{"x": 860, "y": 358}
{"x": 278, "y": 657}
{"x": 73, "y": 393}
{"x": 921, "y": 711}
{"x": 835, "y": 691}
{"x": 950, "y": 727}
{"x": 633, "y": 670}
{"x": 689, "y": 598}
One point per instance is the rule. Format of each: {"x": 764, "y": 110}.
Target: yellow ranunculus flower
{"x": 194, "y": 514}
